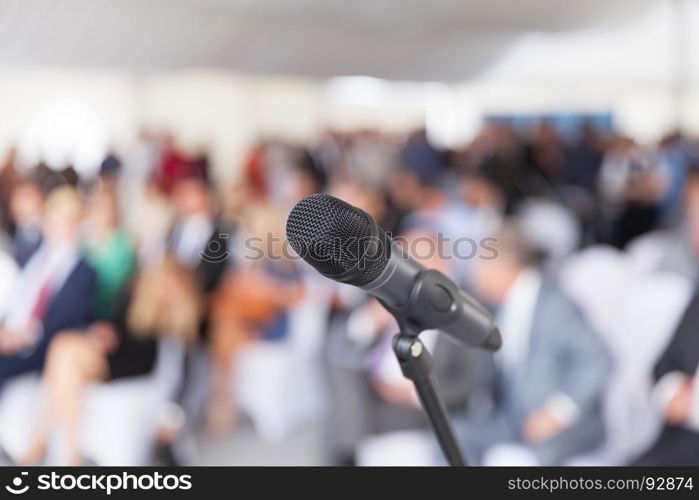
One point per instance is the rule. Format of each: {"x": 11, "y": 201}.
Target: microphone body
{"x": 426, "y": 299}
{"x": 346, "y": 244}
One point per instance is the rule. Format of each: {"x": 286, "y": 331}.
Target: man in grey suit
{"x": 540, "y": 396}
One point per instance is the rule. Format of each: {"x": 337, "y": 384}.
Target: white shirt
{"x": 8, "y": 277}
{"x": 515, "y": 318}
{"x": 191, "y": 237}
{"x": 50, "y": 265}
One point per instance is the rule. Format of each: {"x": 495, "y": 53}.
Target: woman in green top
{"x": 109, "y": 251}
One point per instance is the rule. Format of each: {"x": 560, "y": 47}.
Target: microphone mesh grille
{"x": 334, "y": 237}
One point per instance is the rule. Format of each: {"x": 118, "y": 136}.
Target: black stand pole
{"x": 416, "y": 364}
{"x": 434, "y": 302}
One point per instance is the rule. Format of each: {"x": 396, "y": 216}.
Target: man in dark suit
{"x": 677, "y": 392}
{"x": 676, "y": 374}
{"x": 541, "y": 395}
{"x": 199, "y": 243}
{"x": 197, "y": 239}
{"x": 54, "y": 292}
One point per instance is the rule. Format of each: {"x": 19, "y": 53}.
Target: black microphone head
{"x": 339, "y": 240}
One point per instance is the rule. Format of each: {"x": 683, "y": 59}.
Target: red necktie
{"x": 41, "y": 304}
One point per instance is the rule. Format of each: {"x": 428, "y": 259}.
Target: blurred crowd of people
{"x": 99, "y": 272}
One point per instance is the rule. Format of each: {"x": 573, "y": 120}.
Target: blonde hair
{"x": 65, "y": 198}
{"x": 157, "y": 308}
{"x": 510, "y": 241}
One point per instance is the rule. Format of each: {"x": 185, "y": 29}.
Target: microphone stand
{"x": 416, "y": 363}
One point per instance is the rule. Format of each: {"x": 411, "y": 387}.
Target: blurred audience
{"x": 99, "y": 272}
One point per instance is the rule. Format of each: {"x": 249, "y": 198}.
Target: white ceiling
{"x": 395, "y": 39}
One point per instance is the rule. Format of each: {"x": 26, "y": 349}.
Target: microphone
{"x": 346, "y": 244}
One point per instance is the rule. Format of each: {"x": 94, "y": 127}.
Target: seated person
{"x": 676, "y": 373}
{"x": 108, "y": 250}
{"x": 54, "y": 290}
{"x": 542, "y": 392}
{"x": 163, "y": 301}
{"x": 253, "y": 303}
{"x": 676, "y": 376}
{"x": 198, "y": 240}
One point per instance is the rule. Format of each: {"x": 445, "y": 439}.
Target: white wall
{"x": 221, "y": 112}
{"x": 35, "y": 102}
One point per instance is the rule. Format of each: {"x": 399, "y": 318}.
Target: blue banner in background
{"x": 568, "y": 124}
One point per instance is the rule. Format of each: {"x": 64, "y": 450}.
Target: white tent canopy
{"x": 440, "y": 40}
